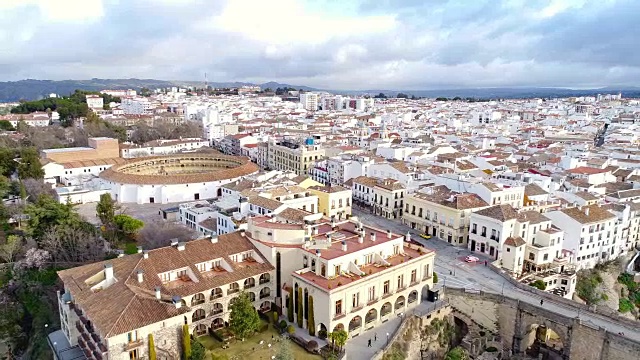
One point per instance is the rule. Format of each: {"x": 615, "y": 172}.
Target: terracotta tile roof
{"x": 595, "y": 214}
{"x": 534, "y": 190}
{"x": 366, "y": 181}
{"x": 514, "y": 241}
{"x": 88, "y": 163}
{"x": 586, "y": 196}
{"x": 443, "y": 196}
{"x": 625, "y": 194}
{"x": 128, "y": 304}
{"x": 400, "y": 166}
{"x": 330, "y": 189}
{"x": 502, "y": 212}
{"x": 264, "y": 202}
{"x": 531, "y": 216}
{"x": 292, "y": 214}
{"x": 587, "y": 170}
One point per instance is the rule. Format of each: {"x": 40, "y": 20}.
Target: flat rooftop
{"x": 61, "y": 150}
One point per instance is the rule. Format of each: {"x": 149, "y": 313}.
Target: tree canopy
{"x": 29, "y": 166}
{"x": 244, "y": 319}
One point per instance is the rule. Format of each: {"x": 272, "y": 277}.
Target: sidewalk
{"x": 357, "y": 348}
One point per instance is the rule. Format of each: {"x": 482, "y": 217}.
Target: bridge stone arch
{"x": 528, "y": 320}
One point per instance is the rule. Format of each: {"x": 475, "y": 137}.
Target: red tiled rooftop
{"x": 411, "y": 252}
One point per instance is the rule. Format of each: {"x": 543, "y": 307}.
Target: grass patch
{"x": 251, "y": 348}
{"x": 130, "y": 248}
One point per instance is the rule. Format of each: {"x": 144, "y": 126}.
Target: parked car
{"x": 425, "y": 236}
{"x": 471, "y": 259}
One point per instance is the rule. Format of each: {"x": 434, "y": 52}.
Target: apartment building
{"x": 490, "y": 228}
{"x": 193, "y": 213}
{"x": 358, "y": 276}
{"x": 309, "y": 101}
{"x": 162, "y": 147}
{"x": 388, "y": 197}
{"x": 287, "y": 155}
{"x": 442, "y": 213}
{"x": 110, "y": 309}
{"x": 333, "y": 201}
{"x": 362, "y": 190}
{"x": 94, "y": 102}
{"x": 137, "y": 106}
{"x": 590, "y": 233}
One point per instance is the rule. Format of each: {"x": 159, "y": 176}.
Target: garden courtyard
{"x": 251, "y": 347}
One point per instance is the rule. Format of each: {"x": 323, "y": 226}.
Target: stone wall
{"x": 516, "y": 320}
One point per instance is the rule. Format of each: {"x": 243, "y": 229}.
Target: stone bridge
{"x": 519, "y": 323}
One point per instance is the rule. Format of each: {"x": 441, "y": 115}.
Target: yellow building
{"x": 291, "y": 156}
{"x": 442, "y": 213}
{"x": 333, "y": 200}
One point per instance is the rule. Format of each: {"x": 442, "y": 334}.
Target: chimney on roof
{"x": 139, "y": 249}
{"x": 177, "y": 301}
{"x": 158, "y": 294}
{"x": 174, "y": 242}
{"x": 145, "y": 254}
{"x": 344, "y": 245}
{"x": 108, "y": 271}
{"x": 329, "y": 237}
{"x": 318, "y": 253}
{"x": 373, "y": 236}
{"x": 388, "y": 234}
{"x": 140, "y": 274}
{"x": 586, "y": 211}
{"x": 213, "y": 239}
{"x": 180, "y": 246}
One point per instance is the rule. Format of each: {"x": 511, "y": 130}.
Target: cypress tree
{"x": 186, "y": 342}
{"x": 311, "y": 324}
{"x": 290, "y": 308}
{"x": 152, "y": 348}
{"x": 300, "y": 307}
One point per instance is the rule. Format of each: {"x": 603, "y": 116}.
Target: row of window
{"x": 372, "y": 293}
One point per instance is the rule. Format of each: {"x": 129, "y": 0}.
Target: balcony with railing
{"x": 132, "y": 345}
{"x": 216, "y": 293}
{"x": 264, "y": 279}
{"x": 249, "y": 283}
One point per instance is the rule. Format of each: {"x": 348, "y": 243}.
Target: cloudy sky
{"x": 334, "y": 44}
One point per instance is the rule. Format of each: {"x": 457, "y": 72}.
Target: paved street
{"x": 453, "y": 271}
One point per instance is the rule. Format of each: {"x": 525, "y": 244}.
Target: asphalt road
{"x": 453, "y": 271}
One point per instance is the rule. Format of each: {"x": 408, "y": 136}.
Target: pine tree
{"x": 152, "y": 348}
{"x": 311, "y": 324}
{"x": 300, "y": 319}
{"x": 186, "y": 342}
{"x": 244, "y": 319}
{"x": 290, "y": 308}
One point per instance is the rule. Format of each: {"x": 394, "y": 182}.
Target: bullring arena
{"x": 174, "y": 178}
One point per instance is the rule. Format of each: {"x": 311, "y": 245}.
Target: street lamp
{"x": 387, "y": 339}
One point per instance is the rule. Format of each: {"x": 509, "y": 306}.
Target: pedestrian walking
{"x": 369, "y": 344}
{"x": 375, "y": 337}
{"x": 485, "y": 263}
{"x": 541, "y": 302}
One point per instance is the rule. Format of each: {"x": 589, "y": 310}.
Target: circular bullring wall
{"x": 174, "y": 178}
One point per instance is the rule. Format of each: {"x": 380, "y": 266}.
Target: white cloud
{"x": 60, "y": 10}
{"x": 288, "y": 21}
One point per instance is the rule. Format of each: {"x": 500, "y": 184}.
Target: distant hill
{"x": 505, "y": 93}
{"x": 36, "y": 89}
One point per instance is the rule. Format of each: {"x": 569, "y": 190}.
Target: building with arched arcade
{"x": 356, "y": 276}
{"x": 109, "y": 309}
